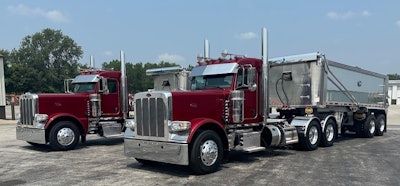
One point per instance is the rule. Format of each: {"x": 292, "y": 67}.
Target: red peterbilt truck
{"x": 97, "y": 104}
{"x": 229, "y": 103}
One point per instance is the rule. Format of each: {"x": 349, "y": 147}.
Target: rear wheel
{"x": 206, "y": 152}
{"x": 312, "y": 136}
{"x": 368, "y": 129}
{"x": 329, "y": 134}
{"x": 64, "y": 136}
{"x": 380, "y": 125}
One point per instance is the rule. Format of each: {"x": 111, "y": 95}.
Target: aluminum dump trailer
{"x": 310, "y": 84}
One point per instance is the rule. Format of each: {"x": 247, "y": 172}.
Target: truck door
{"x": 250, "y": 95}
{"x": 110, "y": 102}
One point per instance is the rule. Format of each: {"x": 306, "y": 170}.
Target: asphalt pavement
{"x": 101, "y": 161}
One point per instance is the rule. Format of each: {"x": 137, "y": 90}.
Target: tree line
{"x": 45, "y": 59}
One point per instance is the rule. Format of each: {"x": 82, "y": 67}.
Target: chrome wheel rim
{"x": 313, "y": 135}
{"x": 372, "y": 126}
{"x": 329, "y": 133}
{"x": 382, "y": 125}
{"x": 65, "y": 136}
{"x": 209, "y": 152}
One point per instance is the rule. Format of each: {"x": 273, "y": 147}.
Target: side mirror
{"x": 67, "y": 83}
{"x": 103, "y": 88}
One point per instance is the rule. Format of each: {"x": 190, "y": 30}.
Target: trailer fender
{"x": 301, "y": 124}
{"x": 326, "y": 120}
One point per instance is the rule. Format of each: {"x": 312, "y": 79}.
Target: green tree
{"x": 136, "y": 73}
{"x": 394, "y": 76}
{"x": 42, "y": 62}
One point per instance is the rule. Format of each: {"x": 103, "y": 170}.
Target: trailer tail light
{"x": 237, "y": 103}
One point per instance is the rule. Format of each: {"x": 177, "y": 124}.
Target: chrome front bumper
{"x": 174, "y": 153}
{"x": 34, "y": 135}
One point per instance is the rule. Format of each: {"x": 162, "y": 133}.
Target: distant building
{"x": 394, "y": 92}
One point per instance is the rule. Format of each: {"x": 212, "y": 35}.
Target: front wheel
{"x": 64, "y": 136}
{"x": 312, "y": 136}
{"x": 206, "y": 152}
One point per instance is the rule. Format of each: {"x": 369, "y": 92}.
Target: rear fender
{"x": 326, "y": 120}
{"x": 301, "y": 123}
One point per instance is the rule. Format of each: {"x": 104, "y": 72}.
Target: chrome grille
{"x": 150, "y": 116}
{"x": 28, "y": 108}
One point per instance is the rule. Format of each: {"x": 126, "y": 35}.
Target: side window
{"x": 241, "y": 78}
{"x": 112, "y": 85}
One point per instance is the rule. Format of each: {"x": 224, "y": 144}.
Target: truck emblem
{"x": 148, "y": 95}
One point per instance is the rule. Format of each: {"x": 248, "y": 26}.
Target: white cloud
{"x": 247, "y": 35}
{"x": 173, "y": 58}
{"x": 108, "y": 53}
{"x": 340, "y": 16}
{"x": 52, "y": 15}
{"x": 347, "y": 15}
{"x": 365, "y": 13}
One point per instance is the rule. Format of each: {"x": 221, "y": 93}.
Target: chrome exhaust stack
{"x": 124, "y": 87}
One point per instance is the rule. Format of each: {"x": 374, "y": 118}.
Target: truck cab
{"x": 92, "y": 104}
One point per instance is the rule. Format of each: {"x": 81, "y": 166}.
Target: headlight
{"x": 130, "y": 123}
{"x": 40, "y": 120}
{"x": 176, "y": 126}
{"x": 41, "y": 117}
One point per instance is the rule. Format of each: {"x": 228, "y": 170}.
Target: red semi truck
{"x": 229, "y": 103}
{"x": 97, "y": 104}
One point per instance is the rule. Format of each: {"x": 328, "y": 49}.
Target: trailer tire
{"x": 312, "y": 136}
{"x": 380, "y": 125}
{"x": 329, "y": 134}
{"x": 206, "y": 152}
{"x": 64, "y": 136}
{"x": 369, "y": 127}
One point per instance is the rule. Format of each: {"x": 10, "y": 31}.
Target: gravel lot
{"x": 100, "y": 161}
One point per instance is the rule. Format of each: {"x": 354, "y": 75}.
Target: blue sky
{"x": 363, "y": 33}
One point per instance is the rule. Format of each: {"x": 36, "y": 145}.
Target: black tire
{"x": 312, "y": 136}
{"x": 329, "y": 134}
{"x": 206, "y": 152}
{"x": 64, "y": 136}
{"x": 368, "y": 127}
{"x": 380, "y": 125}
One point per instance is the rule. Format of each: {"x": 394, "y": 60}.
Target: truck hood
{"x": 73, "y": 104}
{"x": 189, "y": 105}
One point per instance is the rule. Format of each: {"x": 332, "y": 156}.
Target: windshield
{"x": 83, "y": 87}
{"x": 212, "y": 81}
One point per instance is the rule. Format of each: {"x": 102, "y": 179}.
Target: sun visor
{"x": 224, "y": 68}
{"x": 86, "y": 79}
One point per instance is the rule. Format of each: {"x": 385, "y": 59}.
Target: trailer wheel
{"x": 380, "y": 125}
{"x": 329, "y": 134}
{"x": 206, "y": 152}
{"x": 64, "y": 136}
{"x": 312, "y": 136}
{"x": 368, "y": 127}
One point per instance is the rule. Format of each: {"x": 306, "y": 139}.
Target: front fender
{"x": 65, "y": 116}
{"x": 203, "y": 123}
